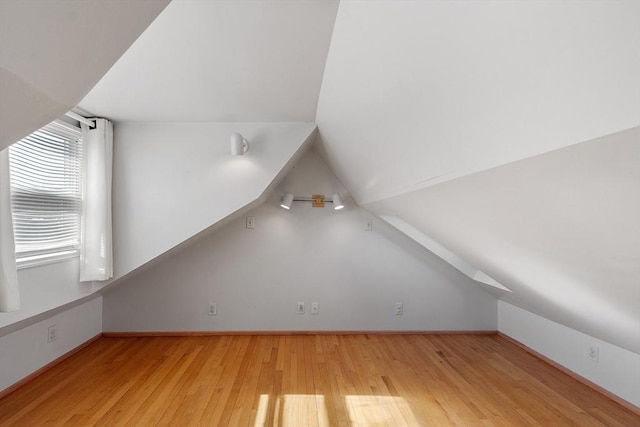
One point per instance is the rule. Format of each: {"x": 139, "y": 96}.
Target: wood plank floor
{"x": 308, "y": 380}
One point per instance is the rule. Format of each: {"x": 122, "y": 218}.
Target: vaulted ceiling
{"x": 222, "y": 61}
{"x": 466, "y": 119}
{"x": 53, "y": 52}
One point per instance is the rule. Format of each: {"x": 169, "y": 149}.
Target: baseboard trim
{"x": 572, "y": 374}
{"x": 48, "y": 366}
{"x": 226, "y": 333}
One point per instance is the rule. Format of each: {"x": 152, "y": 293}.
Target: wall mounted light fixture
{"x": 239, "y": 145}
{"x": 317, "y": 200}
{"x": 337, "y": 201}
{"x": 287, "y": 200}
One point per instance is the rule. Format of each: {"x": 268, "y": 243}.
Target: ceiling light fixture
{"x": 317, "y": 201}
{"x": 239, "y": 145}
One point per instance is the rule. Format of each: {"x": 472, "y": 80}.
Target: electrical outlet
{"x": 52, "y": 333}
{"x": 213, "y": 309}
{"x": 250, "y": 222}
{"x": 315, "y": 307}
{"x": 594, "y": 354}
{"x": 368, "y": 225}
{"x": 399, "y": 309}
{"x": 300, "y": 307}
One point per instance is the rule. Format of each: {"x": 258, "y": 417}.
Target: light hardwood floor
{"x": 308, "y": 380}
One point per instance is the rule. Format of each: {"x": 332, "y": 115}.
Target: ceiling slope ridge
{"x": 463, "y": 174}
{"x": 442, "y": 252}
{"x": 49, "y": 65}
{"x": 246, "y": 193}
{"x": 43, "y": 108}
{"x": 436, "y": 91}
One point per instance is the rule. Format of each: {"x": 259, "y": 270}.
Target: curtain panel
{"x": 96, "y": 255}
{"x": 9, "y": 293}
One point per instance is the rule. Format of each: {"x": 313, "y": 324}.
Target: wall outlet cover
{"x": 52, "y": 333}
{"x": 212, "y": 309}
{"x": 368, "y": 225}
{"x": 399, "y": 309}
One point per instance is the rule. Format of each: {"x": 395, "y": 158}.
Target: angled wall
{"x": 256, "y": 276}
{"x": 560, "y": 230}
{"x": 174, "y": 180}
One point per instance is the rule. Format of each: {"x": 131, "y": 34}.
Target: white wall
{"x": 305, "y": 254}
{"x": 25, "y": 351}
{"x": 617, "y": 370}
{"x": 180, "y": 174}
{"x": 173, "y": 180}
{"x": 45, "y": 288}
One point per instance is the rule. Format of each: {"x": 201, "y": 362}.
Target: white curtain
{"x": 9, "y": 294}
{"x": 96, "y": 257}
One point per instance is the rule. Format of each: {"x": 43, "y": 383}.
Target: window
{"x": 46, "y": 193}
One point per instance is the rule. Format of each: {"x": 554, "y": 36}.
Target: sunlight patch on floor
{"x": 292, "y": 410}
{"x": 380, "y": 411}
{"x": 295, "y": 410}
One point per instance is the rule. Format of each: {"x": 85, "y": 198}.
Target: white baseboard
{"x": 617, "y": 370}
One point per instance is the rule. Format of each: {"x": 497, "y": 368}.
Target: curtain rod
{"x": 81, "y": 119}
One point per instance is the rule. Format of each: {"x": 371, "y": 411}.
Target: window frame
{"x": 31, "y": 258}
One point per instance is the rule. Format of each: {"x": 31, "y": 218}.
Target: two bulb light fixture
{"x": 317, "y": 200}
{"x": 239, "y": 146}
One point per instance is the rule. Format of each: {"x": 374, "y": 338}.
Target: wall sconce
{"x": 286, "y": 201}
{"x": 239, "y": 145}
{"x": 317, "y": 200}
{"x": 337, "y": 201}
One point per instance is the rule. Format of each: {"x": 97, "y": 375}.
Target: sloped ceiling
{"x": 222, "y": 61}
{"x": 561, "y": 230}
{"x": 410, "y": 94}
{"x": 53, "y": 52}
{"x": 417, "y": 93}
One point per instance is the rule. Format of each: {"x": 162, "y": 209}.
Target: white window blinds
{"x": 46, "y": 191}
